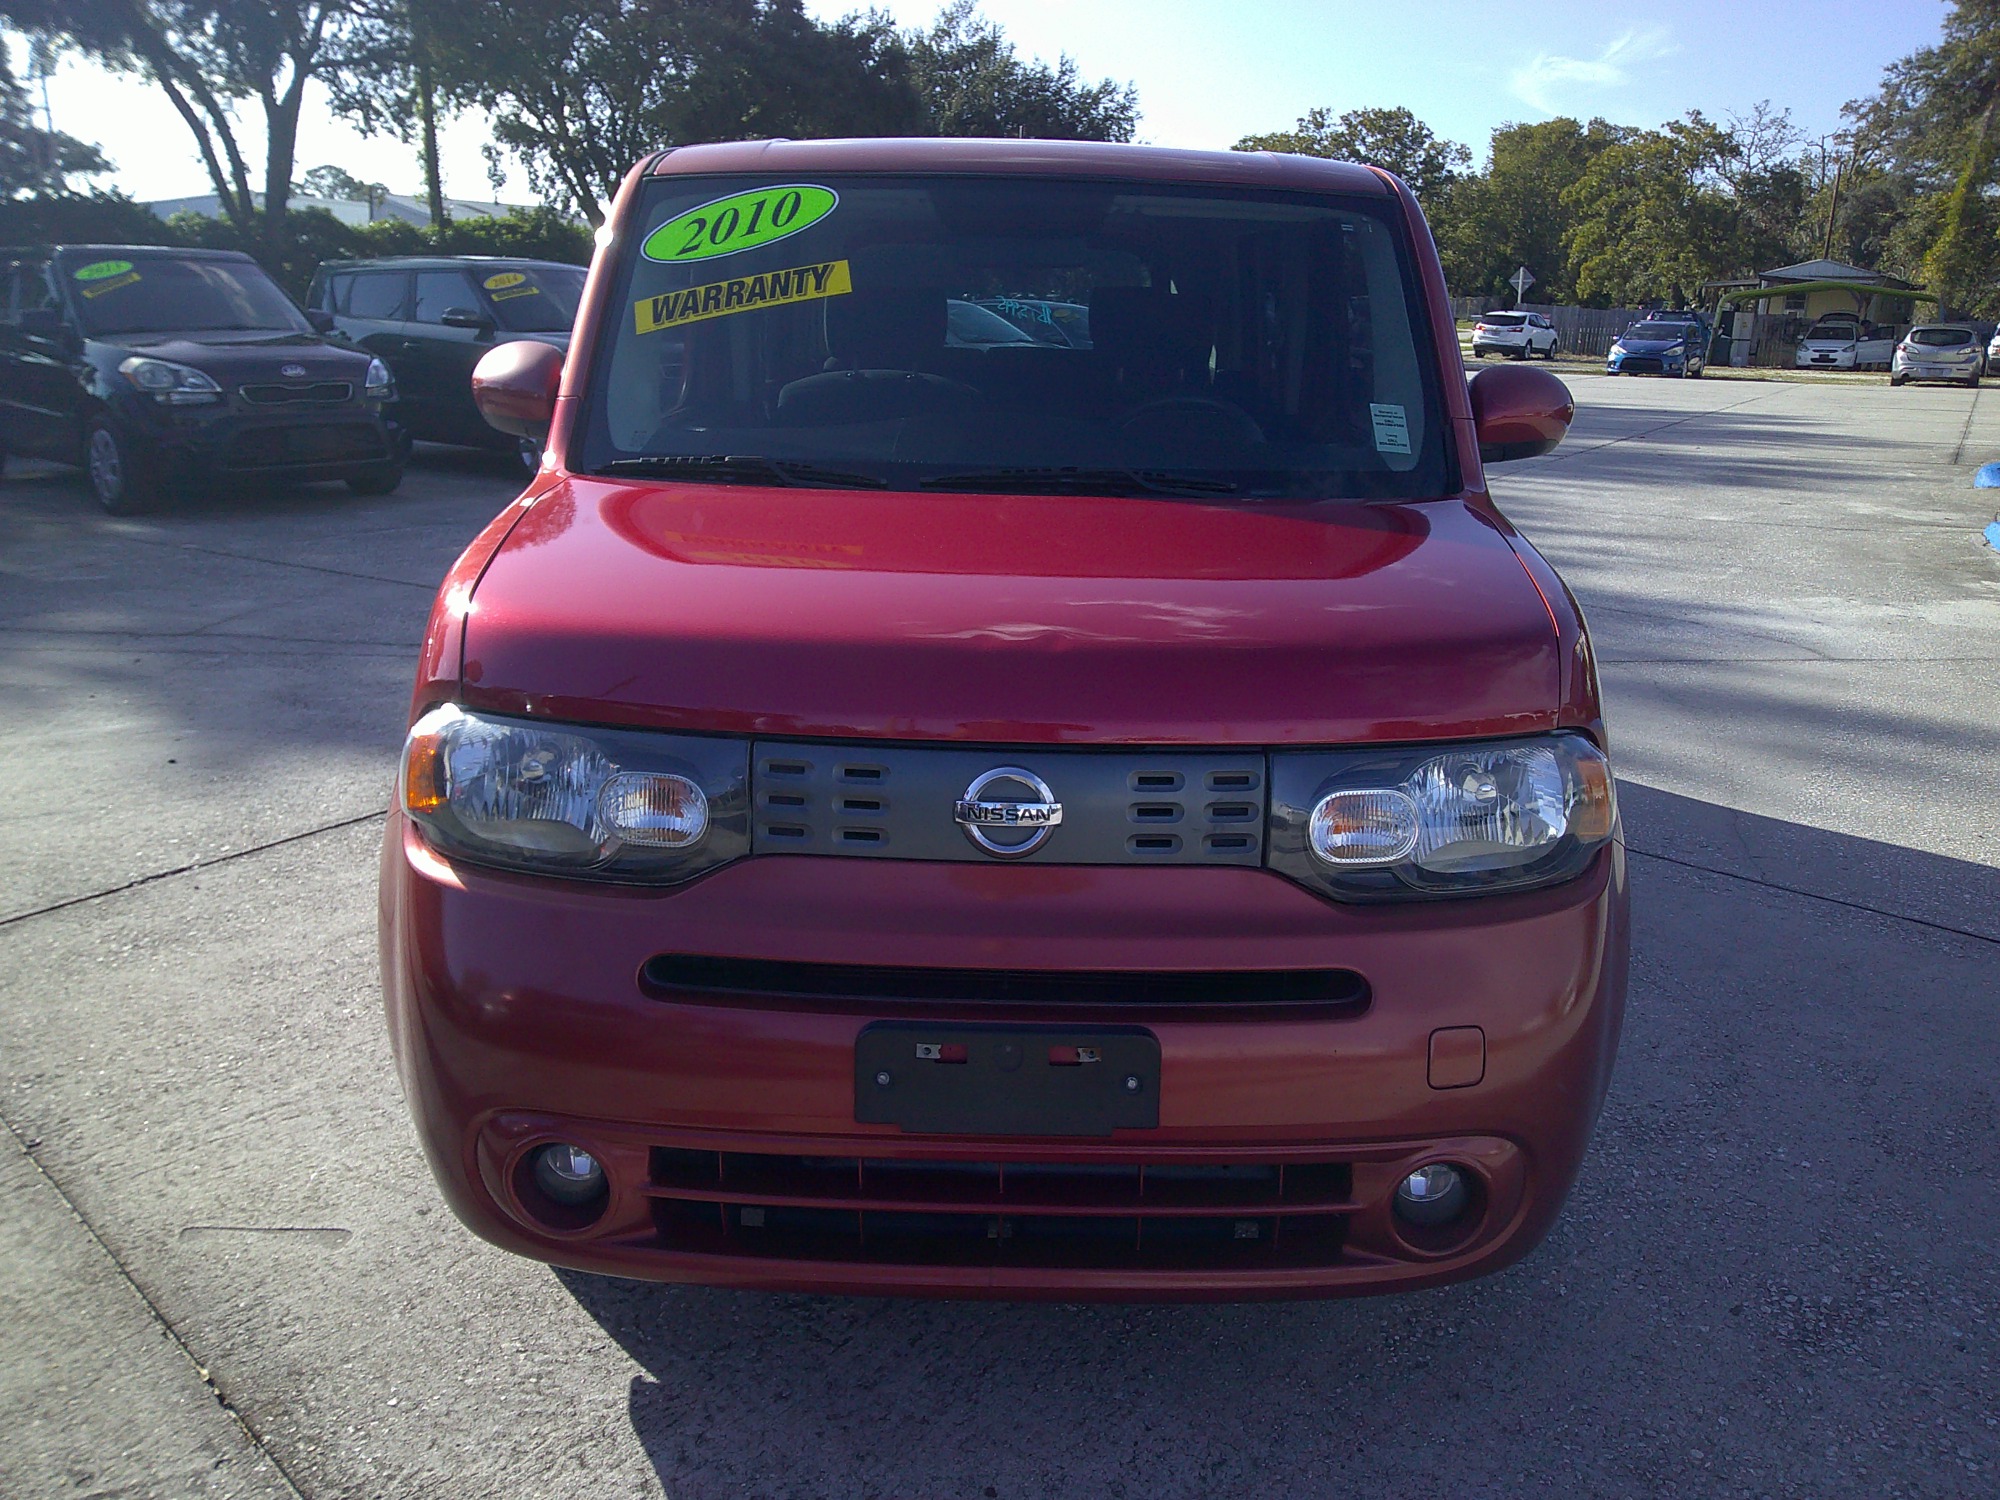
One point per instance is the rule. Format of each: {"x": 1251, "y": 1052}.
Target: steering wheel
{"x": 1243, "y": 427}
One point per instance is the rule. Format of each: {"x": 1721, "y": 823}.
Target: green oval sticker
{"x": 98, "y": 270}
{"x": 742, "y": 221}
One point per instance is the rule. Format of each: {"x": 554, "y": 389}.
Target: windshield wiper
{"x": 741, "y": 468}
{"x": 1080, "y": 482}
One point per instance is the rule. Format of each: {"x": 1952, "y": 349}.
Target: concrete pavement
{"x": 1774, "y": 1279}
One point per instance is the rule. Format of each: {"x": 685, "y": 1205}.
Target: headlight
{"x": 1497, "y": 815}
{"x": 606, "y": 804}
{"x": 176, "y": 385}
{"x": 379, "y": 382}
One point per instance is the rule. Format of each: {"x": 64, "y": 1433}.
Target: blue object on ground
{"x": 1993, "y": 535}
{"x": 1988, "y": 477}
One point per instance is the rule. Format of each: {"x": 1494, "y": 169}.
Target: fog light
{"x": 1432, "y": 1195}
{"x": 568, "y": 1174}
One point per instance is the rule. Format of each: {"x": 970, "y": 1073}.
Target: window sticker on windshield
{"x": 718, "y": 299}
{"x": 104, "y": 276}
{"x": 741, "y": 221}
{"x": 1392, "y": 428}
{"x": 504, "y": 284}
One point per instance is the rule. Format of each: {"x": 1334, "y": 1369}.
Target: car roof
{"x": 178, "y": 252}
{"x": 1021, "y": 158}
{"x": 443, "y": 262}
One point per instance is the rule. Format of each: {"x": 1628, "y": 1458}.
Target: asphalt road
{"x": 224, "y": 1270}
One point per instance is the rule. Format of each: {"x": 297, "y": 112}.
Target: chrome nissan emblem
{"x": 295, "y": 372}
{"x": 1023, "y": 823}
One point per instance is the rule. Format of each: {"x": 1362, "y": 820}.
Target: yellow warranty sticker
{"x": 504, "y": 279}
{"x": 99, "y": 288}
{"x": 718, "y": 299}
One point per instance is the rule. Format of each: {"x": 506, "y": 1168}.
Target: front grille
{"x": 322, "y": 393}
{"x": 280, "y": 447}
{"x": 1245, "y": 1215}
{"x": 1339, "y": 991}
{"x": 1118, "y": 807}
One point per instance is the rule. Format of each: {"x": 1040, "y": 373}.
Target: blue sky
{"x": 1209, "y": 71}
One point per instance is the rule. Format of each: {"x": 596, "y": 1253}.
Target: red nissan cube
{"x": 1008, "y": 751}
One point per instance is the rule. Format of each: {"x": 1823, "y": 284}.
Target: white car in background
{"x": 1993, "y": 352}
{"x": 1518, "y": 335}
{"x": 1845, "y": 343}
{"x": 1938, "y": 351}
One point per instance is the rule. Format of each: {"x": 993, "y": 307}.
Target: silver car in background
{"x": 1518, "y": 335}
{"x": 1938, "y": 351}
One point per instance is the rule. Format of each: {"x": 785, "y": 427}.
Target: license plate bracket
{"x": 1012, "y": 1080}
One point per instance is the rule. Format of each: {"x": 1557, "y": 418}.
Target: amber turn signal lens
{"x": 423, "y": 774}
{"x": 1595, "y": 808}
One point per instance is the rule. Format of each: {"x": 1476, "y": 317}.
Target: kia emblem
{"x": 293, "y": 372}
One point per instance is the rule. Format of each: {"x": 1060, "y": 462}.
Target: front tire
{"x": 121, "y": 485}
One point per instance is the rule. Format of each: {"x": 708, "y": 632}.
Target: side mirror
{"x": 465, "y": 317}
{"x": 514, "y": 386}
{"x": 320, "y": 318}
{"x": 1519, "y": 412}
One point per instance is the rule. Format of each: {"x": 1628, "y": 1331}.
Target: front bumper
{"x": 519, "y": 1015}
{"x": 190, "y": 444}
{"x": 1645, "y": 364}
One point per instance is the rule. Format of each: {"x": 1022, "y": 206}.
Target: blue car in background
{"x": 1658, "y": 346}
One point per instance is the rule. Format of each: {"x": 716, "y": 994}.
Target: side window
{"x": 333, "y": 295}
{"x": 372, "y": 294}
{"x": 440, "y": 291}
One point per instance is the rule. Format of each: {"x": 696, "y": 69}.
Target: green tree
{"x": 972, "y": 83}
{"x": 582, "y": 89}
{"x": 1513, "y": 214}
{"x": 1651, "y": 217}
{"x": 1393, "y": 139}
{"x": 392, "y": 83}
{"x": 341, "y": 184}
{"x": 208, "y": 57}
{"x": 35, "y": 161}
{"x": 1931, "y": 134}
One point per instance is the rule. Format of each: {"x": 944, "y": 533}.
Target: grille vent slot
{"x": 883, "y": 801}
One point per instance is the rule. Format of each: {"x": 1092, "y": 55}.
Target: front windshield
{"x": 534, "y": 299}
{"x": 1834, "y": 333}
{"x": 163, "y": 294}
{"x": 1656, "y": 332}
{"x": 1941, "y": 338}
{"x": 1216, "y": 341}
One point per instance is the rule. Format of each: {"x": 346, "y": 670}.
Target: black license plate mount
{"x": 963, "y": 1078}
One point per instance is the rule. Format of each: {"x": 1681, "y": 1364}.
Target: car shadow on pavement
{"x": 1773, "y": 1276}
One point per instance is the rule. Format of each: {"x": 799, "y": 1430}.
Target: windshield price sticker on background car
{"x": 741, "y": 221}
{"x": 504, "y": 284}
{"x": 104, "y": 276}
{"x": 1392, "y": 428}
{"x": 718, "y": 299}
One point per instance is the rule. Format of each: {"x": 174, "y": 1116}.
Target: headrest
{"x": 890, "y": 328}
{"x": 1132, "y": 323}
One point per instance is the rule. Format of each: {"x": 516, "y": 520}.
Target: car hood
{"x": 1833, "y": 343}
{"x": 1648, "y": 346}
{"x": 1008, "y": 619}
{"x": 239, "y": 354}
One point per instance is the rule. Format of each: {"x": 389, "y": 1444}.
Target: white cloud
{"x": 1543, "y": 82}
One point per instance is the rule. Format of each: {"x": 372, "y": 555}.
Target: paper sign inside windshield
{"x": 718, "y": 299}
{"x": 1392, "y": 429}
